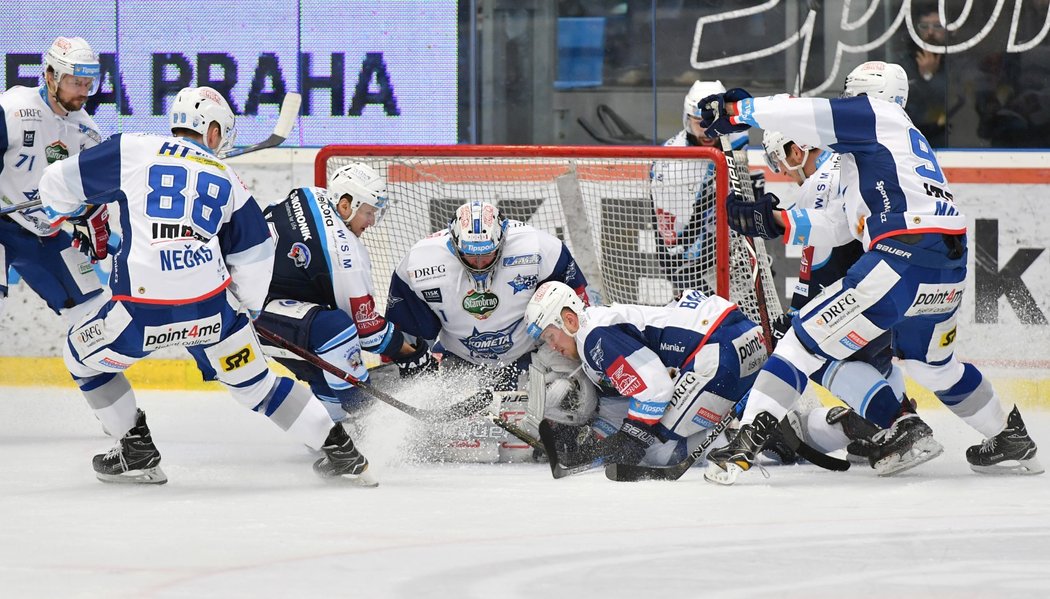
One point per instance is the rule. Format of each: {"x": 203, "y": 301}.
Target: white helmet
{"x": 73, "y": 56}
{"x": 544, "y": 309}
{"x": 699, "y": 91}
{"x": 364, "y": 186}
{"x": 774, "y": 143}
{"x": 877, "y": 79}
{"x": 477, "y": 230}
{"x": 196, "y": 108}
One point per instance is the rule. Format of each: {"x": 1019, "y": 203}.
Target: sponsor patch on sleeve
{"x": 625, "y": 378}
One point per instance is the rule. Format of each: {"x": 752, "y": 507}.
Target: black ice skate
{"x": 906, "y": 444}
{"x": 858, "y": 430}
{"x": 134, "y": 459}
{"x": 726, "y": 463}
{"x": 1010, "y": 452}
{"x": 342, "y": 460}
{"x": 570, "y": 449}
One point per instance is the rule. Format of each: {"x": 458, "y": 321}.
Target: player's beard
{"x": 70, "y": 104}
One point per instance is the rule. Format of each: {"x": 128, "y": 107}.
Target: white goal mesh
{"x": 599, "y": 201}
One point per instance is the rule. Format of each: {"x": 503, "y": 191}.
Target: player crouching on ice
{"x": 321, "y": 294}
{"x": 463, "y": 292}
{"x": 196, "y": 249}
{"x": 681, "y": 368}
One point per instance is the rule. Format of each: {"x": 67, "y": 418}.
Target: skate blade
{"x": 1027, "y": 467}
{"x": 920, "y": 452}
{"x": 148, "y": 476}
{"x": 362, "y": 479}
{"x": 715, "y": 474}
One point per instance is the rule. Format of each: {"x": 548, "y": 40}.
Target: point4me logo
{"x": 490, "y": 345}
{"x": 182, "y": 334}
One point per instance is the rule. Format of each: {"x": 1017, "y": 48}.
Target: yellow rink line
{"x": 183, "y": 375}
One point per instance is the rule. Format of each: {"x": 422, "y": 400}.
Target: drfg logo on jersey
{"x": 182, "y": 334}
{"x": 841, "y": 309}
{"x": 239, "y": 358}
{"x": 480, "y": 305}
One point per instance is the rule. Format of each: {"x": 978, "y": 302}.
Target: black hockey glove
{"x": 420, "y": 361}
{"x": 779, "y": 328}
{"x": 715, "y": 120}
{"x": 629, "y": 444}
{"x": 754, "y": 219}
{"x": 91, "y": 232}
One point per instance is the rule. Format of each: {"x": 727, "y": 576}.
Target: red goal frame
{"x": 496, "y": 151}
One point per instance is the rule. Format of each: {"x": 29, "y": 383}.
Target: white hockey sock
{"x": 819, "y": 434}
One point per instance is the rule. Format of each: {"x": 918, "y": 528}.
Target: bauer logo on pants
{"x": 232, "y": 362}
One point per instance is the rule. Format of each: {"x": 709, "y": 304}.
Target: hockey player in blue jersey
{"x": 321, "y": 294}
{"x": 39, "y": 126}
{"x": 682, "y": 366}
{"x": 195, "y": 251}
{"x": 910, "y": 280}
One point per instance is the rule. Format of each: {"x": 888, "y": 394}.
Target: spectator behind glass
{"x": 928, "y": 78}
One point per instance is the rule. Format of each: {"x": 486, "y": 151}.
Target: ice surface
{"x": 244, "y": 516}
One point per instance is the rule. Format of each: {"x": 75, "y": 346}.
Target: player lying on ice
{"x": 909, "y": 281}
{"x": 196, "y": 251}
{"x": 674, "y": 370}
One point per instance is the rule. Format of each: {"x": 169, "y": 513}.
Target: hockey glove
{"x": 91, "y": 232}
{"x": 629, "y": 444}
{"x": 714, "y": 118}
{"x": 420, "y": 361}
{"x": 754, "y": 219}
{"x": 779, "y": 328}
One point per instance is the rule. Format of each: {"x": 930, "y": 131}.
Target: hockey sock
{"x": 111, "y": 397}
{"x": 819, "y": 434}
{"x": 973, "y": 399}
{"x": 865, "y": 390}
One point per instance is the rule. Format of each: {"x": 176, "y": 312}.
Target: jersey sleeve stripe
{"x": 322, "y": 233}
{"x": 710, "y": 331}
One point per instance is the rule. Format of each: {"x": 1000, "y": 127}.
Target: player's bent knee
{"x": 935, "y": 377}
{"x": 237, "y": 360}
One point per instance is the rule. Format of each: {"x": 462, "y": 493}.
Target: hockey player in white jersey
{"x": 867, "y": 382}
{"x": 909, "y": 281}
{"x": 39, "y": 126}
{"x": 682, "y": 367}
{"x": 196, "y": 249}
{"x": 321, "y": 294}
{"x": 466, "y": 287}
{"x": 683, "y": 195}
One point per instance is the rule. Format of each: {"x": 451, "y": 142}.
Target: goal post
{"x": 614, "y": 207}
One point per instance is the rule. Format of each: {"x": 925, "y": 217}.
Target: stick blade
{"x": 289, "y": 112}
{"x": 626, "y": 473}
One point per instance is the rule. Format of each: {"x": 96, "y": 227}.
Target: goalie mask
{"x": 877, "y": 79}
{"x": 196, "y": 108}
{"x": 364, "y": 186}
{"x": 73, "y": 56}
{"x": 544, "y": 309}
{"x": 477, "y": 232}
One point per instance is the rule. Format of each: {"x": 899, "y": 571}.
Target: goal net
{"x": 614, "y": 207}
